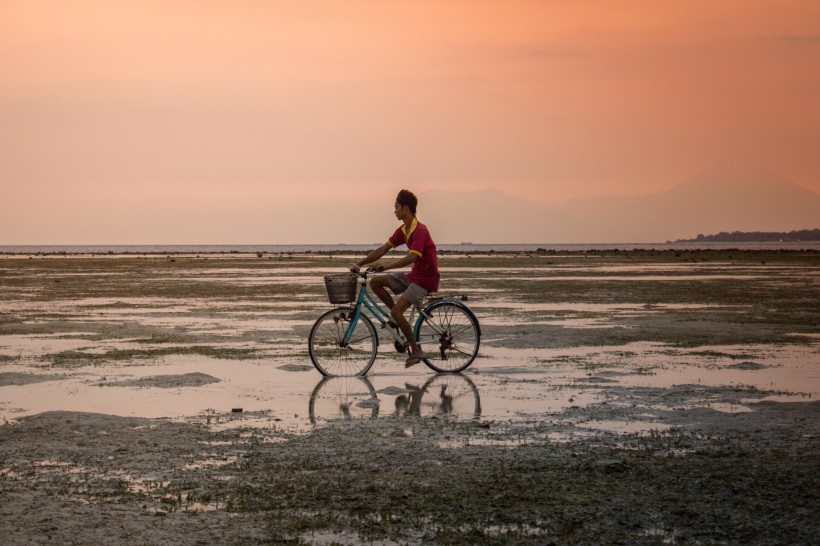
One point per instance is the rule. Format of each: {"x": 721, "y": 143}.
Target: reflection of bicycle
{"x": 344, "y": 341}
{"x": 445, "y": 395}
{"x": 353, "y": 397}
{"x": 342, "y": 397}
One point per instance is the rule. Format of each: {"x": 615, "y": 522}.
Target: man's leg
{"x": 379, "y": 286}
{"x": 397, "y": 312}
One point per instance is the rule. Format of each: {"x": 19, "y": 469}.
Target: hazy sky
{"x": 196, "y": 121}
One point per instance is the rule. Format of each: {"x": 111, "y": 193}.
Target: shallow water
{"x": 505, "y": 385}
{"x": 254, "y": 347}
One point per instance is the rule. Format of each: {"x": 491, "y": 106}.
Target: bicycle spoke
{"x": 457, "y": 350}
{"x": 359, "y": 339}
{"x": 450, "y": 334}
{"x": 460, "y": 329}
{"x": 327, "y": 352}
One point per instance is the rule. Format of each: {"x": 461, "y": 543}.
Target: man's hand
{"x": 354, "y": 269}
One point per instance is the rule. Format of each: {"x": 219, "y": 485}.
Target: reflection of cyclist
{"x": 446, "y": 401}
{"x": 410, "y": 403}
{"x": 411, "y": 287}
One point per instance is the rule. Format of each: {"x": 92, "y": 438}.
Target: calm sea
{"x": 358, "y": 248}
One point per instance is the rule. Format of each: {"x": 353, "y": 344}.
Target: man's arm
{"x": 381, "y": 251}
{"x": 408, "y": 259}
{"x": 375, "y": 255}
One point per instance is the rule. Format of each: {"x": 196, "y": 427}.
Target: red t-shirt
{"x": 418, "y": 241}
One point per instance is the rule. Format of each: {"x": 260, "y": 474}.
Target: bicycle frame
{"x": 366, "y": 301}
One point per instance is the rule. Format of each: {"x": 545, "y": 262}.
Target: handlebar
{"x": 362, "y": 273}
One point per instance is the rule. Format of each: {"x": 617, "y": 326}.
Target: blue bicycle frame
{"x": 365, "y": 300}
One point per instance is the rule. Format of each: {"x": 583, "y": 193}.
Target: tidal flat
{"x": 636, "y": 397}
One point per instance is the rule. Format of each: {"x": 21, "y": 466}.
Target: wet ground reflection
{"x": 452, "y": 396}
{"x": 617, "y": 388}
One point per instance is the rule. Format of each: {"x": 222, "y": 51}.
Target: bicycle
{"x": 344, "y": 341}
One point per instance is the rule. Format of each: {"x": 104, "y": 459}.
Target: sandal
{"x": 414, "y": 359}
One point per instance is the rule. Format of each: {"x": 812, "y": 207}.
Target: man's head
{"x": 406, "y": 198}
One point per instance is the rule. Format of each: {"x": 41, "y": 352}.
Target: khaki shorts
{"x": 411, "y": 292}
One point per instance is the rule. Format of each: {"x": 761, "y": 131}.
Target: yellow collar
{"x": 408, "y": 233}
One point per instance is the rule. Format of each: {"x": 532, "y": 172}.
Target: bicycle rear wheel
{"x": 449, "y": 334}
{"x": 328, "y": 351}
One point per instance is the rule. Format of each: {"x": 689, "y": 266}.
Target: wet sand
{"x": 642, "y": 397}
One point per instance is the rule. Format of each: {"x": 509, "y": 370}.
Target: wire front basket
{"x": 341, "y": 288}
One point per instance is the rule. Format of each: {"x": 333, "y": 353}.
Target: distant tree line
{"x": 756, "y": 236}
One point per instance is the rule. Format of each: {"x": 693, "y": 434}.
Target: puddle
{"x": 631, "y": 278}
{"x": 254, "y": 387}
{"x": 568, "y": 306}
{"x": 35, "y": 345}
{"x": 567, "y": 323}
{"x": 624, "y": 427}
{"x": 509, "y": 385}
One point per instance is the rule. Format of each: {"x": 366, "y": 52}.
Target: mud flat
{"x": 621, "y": 397}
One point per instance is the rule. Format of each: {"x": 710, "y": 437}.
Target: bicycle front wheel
{"x": 449, "y": 334}
{"x": 331, "y": 355}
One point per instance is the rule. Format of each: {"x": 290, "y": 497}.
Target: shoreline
{"x": 703, "y": 254}
{"x": 444, "y": 249}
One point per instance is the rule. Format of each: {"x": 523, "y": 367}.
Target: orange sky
{"x": 163, "y": 121}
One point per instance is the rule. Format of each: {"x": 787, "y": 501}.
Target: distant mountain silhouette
{"x": 725, "y": 198}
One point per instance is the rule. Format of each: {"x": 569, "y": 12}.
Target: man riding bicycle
{"x": 410, "y": 287}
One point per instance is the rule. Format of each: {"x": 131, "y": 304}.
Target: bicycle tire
{"x": 450, "y": 336}
{"x": 327, "y": 352}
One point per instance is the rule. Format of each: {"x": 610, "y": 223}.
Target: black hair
{"x": 406, "y": 197}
